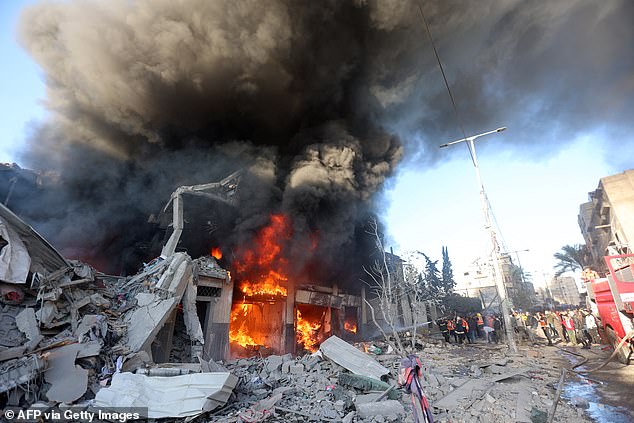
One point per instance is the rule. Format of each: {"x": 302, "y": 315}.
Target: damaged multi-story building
{"x": 607, "y": 219}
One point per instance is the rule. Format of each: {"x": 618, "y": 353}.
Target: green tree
{"x": 448, "y": 281}
{"x": 572, "y": 258}
{"x": 433, "y": 280}
{"x": 462, "y": 305}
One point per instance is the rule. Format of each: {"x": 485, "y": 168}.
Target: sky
{"x": 21, "y": 85}
{"x": 535, "y": 202}
{"x": 561, "y": 93}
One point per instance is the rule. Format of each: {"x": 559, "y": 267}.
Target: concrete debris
{"x": 71, "y": 336}
{"x": 20, "y": 371}
{"x": 27, "y": 324}
{"x": 351, "y": 358}
{"x": 68, "y": 381}
{"x": 384, "y": 408}
{"x": 177, "y": 396}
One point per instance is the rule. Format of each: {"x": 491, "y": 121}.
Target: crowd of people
{"x": 468, "y": 328}
{"x": 573, "y": 327}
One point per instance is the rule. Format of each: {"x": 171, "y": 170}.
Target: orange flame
{"x": 239, "y": 332}
{"x": 262, "y": 267}
{"x": 261, "y": 271}
{"x": 350, "y": 327}
{"x": 216, "y": 253}
{"x": 307, "y": 332}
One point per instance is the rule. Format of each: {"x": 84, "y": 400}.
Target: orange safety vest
{"x": 466, "y": 325}
{"x": 480, "y": 321}
{"x": 450, "y": 325}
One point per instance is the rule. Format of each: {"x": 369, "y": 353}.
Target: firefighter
{"x": 480, "y": 325}
{"x": 442, "y": 324}
{"x": 460, "y": 330}
{"x": 451, "y": 326}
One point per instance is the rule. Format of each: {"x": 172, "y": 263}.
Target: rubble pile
{"x": 73, "y": 336}
{"x": 73, "y": 329}
{"x": 476, "y": 384}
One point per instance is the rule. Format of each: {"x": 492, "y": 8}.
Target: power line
{"x": 444, "y": 77}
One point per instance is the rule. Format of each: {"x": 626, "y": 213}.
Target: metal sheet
{"x": 351, "y": 358}
{"x": 177, "y": 396}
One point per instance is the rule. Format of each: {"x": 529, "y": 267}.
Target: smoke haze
{"x": 318, "y": 101}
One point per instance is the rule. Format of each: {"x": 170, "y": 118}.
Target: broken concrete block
{"x": 351, "y": 358}
{"x": 68, "y": 381}
{"x": 274, "y": 363}
{"x": 383, "y": 408}
{"x": 47, "y": 313}
{"x": 296, "y": 369}
{"x": 27, "y": 324}
{"x": 349, "y": 417}
{"x": 20, "y": 371}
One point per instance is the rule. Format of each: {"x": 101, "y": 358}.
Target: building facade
{"x": 564, "y": 290}
{"x": 607, "y": 219}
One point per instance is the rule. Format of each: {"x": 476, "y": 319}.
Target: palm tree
{"x": 572, "y": 258}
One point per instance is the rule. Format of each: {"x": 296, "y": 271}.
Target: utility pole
{"x": 498, "y": 275}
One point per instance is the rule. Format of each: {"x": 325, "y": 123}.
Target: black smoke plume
{"x": 146, "y": 96}
{"x": 312, "y": 98}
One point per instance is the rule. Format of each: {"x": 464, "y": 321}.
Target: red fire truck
{"x": 613, "y": 298}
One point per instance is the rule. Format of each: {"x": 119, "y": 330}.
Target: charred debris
{"x": 176, "y": 341}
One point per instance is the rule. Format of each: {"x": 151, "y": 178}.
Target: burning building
{"x": 262, "y": 305}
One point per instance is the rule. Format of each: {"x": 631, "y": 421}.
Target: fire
{"x": 239, "y": 332}
{"x": 350, "y": 327}
{"x": 261, "y": 268}
{"x": 216, "y": 253}
{"x": 307, "y": 332}
{"x": 268, "y": 285}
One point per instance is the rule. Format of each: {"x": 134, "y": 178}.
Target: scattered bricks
{"x": 383, "y": 408}
{"x": 274, "y": 363}
{"x": 296, "y": 369}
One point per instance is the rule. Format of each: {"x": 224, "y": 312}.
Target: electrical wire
{"x": 444, "y": 77}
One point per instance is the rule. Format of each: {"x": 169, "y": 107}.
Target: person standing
{"x": 569, "y": 324}
{"x": 480, "y": 325}
{"x": 552, "y": 324}
{"x": 543, "y": 324}
{"x": 562, "y": 328}
{"x": 451, "y": 326}
{"x": 473, "y": 325}
{"x": 591, "y": 328}
{"x": 497, "y": 325}
{"x": 460, "y": 331}
{"x": 442, "y": 325}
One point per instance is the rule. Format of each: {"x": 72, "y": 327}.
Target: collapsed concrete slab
{"x": 177, "y": 396}
{"x": 171, "y": 278}
{"x": 24, "y": 250}
{"x": 68, "y": 381}
{"x": 350, "y": 358}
